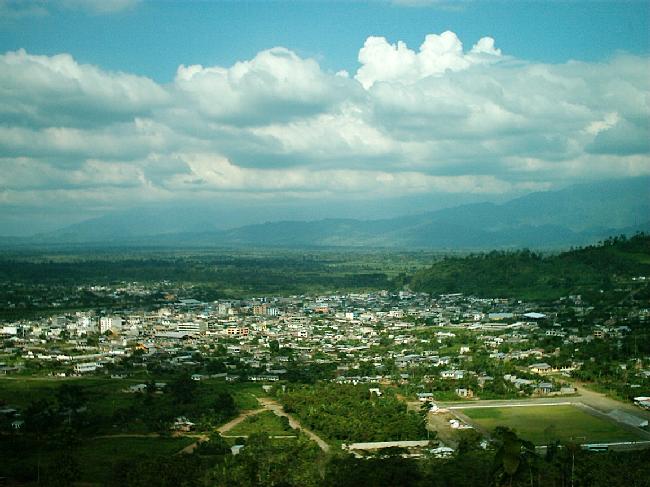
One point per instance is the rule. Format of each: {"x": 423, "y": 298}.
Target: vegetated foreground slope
{"x": 528, "y": 274}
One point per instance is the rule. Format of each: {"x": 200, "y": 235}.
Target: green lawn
{"x": 542, "y": 424}
{"x": 265, "y": 422}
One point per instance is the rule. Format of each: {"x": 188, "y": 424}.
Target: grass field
{"x": 265, "y": 422}
{"x": 543, "y": 424}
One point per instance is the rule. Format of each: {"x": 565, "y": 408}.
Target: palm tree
{"x": 513, "y": 456}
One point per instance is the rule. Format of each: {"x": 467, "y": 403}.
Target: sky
{"x": 272, "y": 110}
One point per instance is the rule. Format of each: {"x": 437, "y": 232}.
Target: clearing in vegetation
{"x": 545, "y": 424}
{"x": 265, "y": 422}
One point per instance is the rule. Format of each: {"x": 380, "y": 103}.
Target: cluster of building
{"x": 368, "y": 337}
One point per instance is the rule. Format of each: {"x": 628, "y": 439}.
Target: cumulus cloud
{"x": 442, "y": 119}
{"x": 382, "y": 61}
{"x": 276, "y": 85}
{"x": 57, "y": 90}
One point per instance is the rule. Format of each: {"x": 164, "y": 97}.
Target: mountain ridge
{"x": 577, "y": 215}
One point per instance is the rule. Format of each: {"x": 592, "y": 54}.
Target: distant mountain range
{"x": 576, "y": 215}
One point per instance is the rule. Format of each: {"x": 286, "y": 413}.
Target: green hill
{"x": 528, "y": 274}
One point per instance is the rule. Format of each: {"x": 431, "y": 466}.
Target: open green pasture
{"x": 543, "y": 424}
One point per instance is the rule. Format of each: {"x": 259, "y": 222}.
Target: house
{"x": 465, "y": 393}
{"x": 442, "y": 452}
{"x": 137, "y": 388}
{"x": 263, "y": 378}
{"x": 519, "y": 383}
{"x": 85, "y": 367}
{"x": 544, "y": 388}
{"x": 452, "y": 374}
{"x": 425, "y": 396}
{"x": 541, "y": 368}
{"x": 183, "y": 424}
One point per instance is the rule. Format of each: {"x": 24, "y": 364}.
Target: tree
{"x": 215, "y": 445}
{"x": 513, "y": 456}
{"x": 224, "y": 405}
{"x": 183, "y": 389}
{"x": 64, "y": 470}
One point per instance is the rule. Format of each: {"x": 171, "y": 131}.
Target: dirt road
{"x": 276, "y": 408}
{"x": 221, "y": 429}
{"x": 267, "y": 404}
{"x": 231, "y": 424}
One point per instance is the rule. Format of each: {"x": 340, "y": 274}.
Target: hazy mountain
{"x": 134, "y": 224}
{"x": 573, "y": 216}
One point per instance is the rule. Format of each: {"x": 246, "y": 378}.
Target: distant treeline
{"x": 520, "y": 273}
{"x": 234, "y": 275}
{"x": 527, "y": 274}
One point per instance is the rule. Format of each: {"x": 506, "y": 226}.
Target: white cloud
{"x": 275, "y": 85}
{"x": 54, "y": 90}
{"x": 441, "y": 119}
{"x": 382, "y": 61}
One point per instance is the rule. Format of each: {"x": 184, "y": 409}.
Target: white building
{"x": 192, "y": 327}
{"x": 86, "y": 367}
{"x": 9, "y": 330}
{"x": 112, "y": 323}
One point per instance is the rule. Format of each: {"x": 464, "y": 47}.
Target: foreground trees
{"x": 353, "y": 413}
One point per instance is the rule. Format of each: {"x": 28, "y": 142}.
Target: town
{"x": 448, "y": 346}
{"x": 118, "y": 378}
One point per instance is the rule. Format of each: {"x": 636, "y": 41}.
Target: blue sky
{"x": 306, "y": 109}
{"x": 153, "y": 38}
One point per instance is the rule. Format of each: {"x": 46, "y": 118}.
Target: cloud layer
{"x": 440, "y": 119}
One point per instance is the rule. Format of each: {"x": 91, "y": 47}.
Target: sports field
{"x": 543, "y": 424}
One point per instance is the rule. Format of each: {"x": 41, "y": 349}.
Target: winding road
{"x": 271, "y": 405}
{"x": 267, "y": 404}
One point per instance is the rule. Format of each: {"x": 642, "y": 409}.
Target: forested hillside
{"x": 528, "y": 274}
